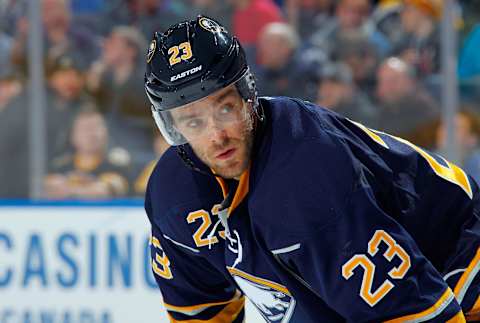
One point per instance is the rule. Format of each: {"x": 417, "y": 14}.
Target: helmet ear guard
{"x": 248, "y": 91}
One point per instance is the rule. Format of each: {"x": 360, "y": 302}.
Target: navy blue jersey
{"x": 332, "y": 222}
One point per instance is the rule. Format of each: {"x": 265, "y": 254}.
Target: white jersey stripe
{"x": 286, "y": 249}
{"x": 181, "y": 244}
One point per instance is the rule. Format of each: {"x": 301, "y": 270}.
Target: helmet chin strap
{"x": 189, "y": 162}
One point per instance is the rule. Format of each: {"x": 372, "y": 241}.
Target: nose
{"x": 216, "y": 132}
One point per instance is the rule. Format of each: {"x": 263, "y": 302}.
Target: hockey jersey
{"x": 332, "y": 222}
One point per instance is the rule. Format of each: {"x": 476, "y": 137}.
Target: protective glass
{"x": 196, "y": 120}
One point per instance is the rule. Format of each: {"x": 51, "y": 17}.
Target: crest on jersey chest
{"x": 272, "y": 300}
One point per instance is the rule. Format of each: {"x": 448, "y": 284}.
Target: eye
{"x": 226, "y": 109}
{"x": 194, "y": 123}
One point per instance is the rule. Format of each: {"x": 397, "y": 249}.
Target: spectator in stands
{"x": 61, "y": 37}
{"x": 91, "y": 171}
{"x": 420, "y": 44}
{"x": 354, "y": 49}
{"x": 159, "y": 147}
{"x": 65, "y": 96}
{"x": 10, "y": 12}
{"x": 14, "y": 150}
{"x": 350, "y": 16}
{"x": 308, "y": 16}
{"x": 386, "y": 18}
{"x": 337, "y": 91}
{"x": 281, "y": 70}
{"x": 249, "y": 18}
{"x": 115, "y": 81}
{"x": 405, "y": 108}
{"x": 467, "y": 140}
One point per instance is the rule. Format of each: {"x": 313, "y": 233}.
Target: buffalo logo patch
{"x": 210, "y": 25}
{"x": 273, "y": 301}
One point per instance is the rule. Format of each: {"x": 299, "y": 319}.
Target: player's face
{"x": 219, "y": 130}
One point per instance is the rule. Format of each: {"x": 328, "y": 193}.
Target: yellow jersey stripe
{"x": 430, "y": 312}
{"x": 242, "y": 189}
{"x": 458, "y": 318}
{"x": 474, "y": 313}
{"x": 227, "y": 315}
{"x": 223, "y": 185}
{"x": 195, "y": 309}
{"x": 371, "y": 133}
{"x": 264, "y": 282}
{"x": 241, "y": 192}
{"x": 467, "y": 277}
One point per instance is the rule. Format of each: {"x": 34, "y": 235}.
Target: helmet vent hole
{"x": 203, "y": 88}
{"x": 182, "y": 96}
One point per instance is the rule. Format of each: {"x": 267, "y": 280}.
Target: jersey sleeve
{"x": 370, "y": 270}
{"x": 462, "y": 272}
{"x": 349, "y": 251}
{"x": 192, "y": 289}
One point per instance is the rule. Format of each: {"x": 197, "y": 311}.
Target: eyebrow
{"x": 221, "y": 98}
{"x": 227, "y": 93}
{"x": 185, "y": 117}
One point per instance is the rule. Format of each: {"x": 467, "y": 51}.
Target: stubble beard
{"x": 234, "y": 168}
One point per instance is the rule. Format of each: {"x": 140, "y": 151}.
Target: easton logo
{"x": 186, "y": 73}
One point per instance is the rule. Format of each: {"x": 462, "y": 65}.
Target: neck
{"x": 87, "y": 161}
{"x": 88, "y": 155}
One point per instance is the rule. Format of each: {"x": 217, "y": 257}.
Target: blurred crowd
{"x": 377, "y": 62}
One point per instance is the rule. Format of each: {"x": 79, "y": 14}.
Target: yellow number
{"x": 393, "y": 249}
{"x": 174, "y": 51}
{"x": 186, "y": 49}
{"x": 368, "y": 266}
{"x": 450, "y": 172}
{"x": 200, "y": 237}
{"x": 200, "y": 241}
{"x": 160, "y": 264}
{"x": 368, "y": 272}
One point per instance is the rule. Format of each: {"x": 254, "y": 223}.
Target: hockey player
{"x": 311, "y": 216}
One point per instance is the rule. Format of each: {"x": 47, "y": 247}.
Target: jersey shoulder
{"x": 174, "y": 191}
{"x": 304, "y": 165}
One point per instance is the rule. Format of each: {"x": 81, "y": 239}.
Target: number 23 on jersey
{"x": 362, "y": 260}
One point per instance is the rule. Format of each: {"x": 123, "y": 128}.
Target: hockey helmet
{"x": 188, "y": 62}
